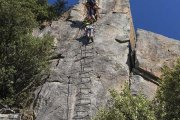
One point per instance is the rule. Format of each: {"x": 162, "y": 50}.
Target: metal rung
{"x": 85, "y": 72}
{"x": 83, "y": 104}
{"x": 81, "y": 111}
{"x": 86, "y": 77}
{"x": 85, "y": 57}
{"x": 82, "y": 108}
{"x": 83, "y": 83}
{"x": 84, "y": 91}
{"x": 86, "y": 66}
{"x": 84, "y": 99}
{"x": 88, "y": 69}
{"x": 85, "y": 80}
{"x": 81, "y": 117}
{"x": 87, "y": 63}
{"x": 83, "y": 95}
{"x": 85, "y": 87}
{"x": 85, "y": 49}
{"x": 89, "y": 51}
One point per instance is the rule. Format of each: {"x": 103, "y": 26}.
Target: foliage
{"x": 127, "y": 107}
{"x": 168, "y": 98}
{"x": 22, "y": 56}
{"x": 59, "y": 6}
{"x": 166, "y": 105}
{"x": 39, "y": 8}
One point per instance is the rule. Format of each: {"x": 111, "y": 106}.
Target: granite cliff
{"x": 82, "y": 73}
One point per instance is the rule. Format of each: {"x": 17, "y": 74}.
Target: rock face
{"x": 141, "y": 86}
{"x": 153, "y": 51}
{"x": 82, "y": 72}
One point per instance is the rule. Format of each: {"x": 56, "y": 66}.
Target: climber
{"x": 91, "y": 2}
{"x": 89, "y": 32}
{"x": 91, "y": 10}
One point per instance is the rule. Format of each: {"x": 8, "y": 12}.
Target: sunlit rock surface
{"x": 153, "y": 51}
{"x": 82, "y": 72}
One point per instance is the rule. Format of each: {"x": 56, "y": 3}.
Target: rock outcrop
{"x": 152, "y": 52}
{"x": 82, "y": 72}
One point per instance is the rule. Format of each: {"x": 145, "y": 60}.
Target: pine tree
{"x": 22, "y": 56}
{"x": 168, "y": 98}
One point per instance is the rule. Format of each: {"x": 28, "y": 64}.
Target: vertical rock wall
{"x": 82, "y": 72}
{"x": 152, "y": 52}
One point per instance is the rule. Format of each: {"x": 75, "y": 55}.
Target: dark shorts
{"x": 91, "y": 11}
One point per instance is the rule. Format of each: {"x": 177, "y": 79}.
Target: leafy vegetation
{"x": 127, "y": 107}
{"x": 22, "y": 56}
{"x": 168, "y": 96}
{"x": 166, "y": 105}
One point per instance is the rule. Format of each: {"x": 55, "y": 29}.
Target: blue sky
{"x": 71, "y": 2}
{"x": 159, "y": 16}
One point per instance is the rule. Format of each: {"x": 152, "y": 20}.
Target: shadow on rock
{"x": 76, "y": 24}
{"x": 84, "y": 40}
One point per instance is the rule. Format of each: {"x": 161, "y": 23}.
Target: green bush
{"x": 22, "y": 56}
{"x": 127, "y": 107}
{"x": 168, "y": 97}
{"x": 166, "y": 105}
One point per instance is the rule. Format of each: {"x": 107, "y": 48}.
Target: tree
{"x": 168, "y": 96}
{"x": 59, "y": 6}
{"x": 38, "y": 7}
{"x": 22, "y": 56}
{"x": 127, "y": 107}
